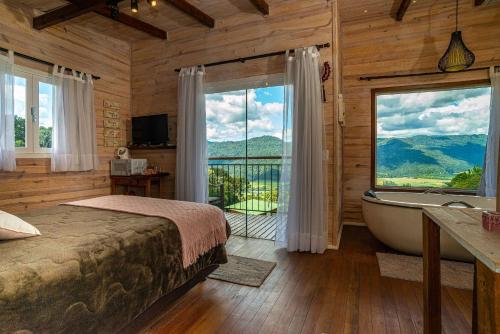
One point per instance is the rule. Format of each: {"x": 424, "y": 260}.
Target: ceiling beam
{"x": 261, "y": 5}
{"x": 79, "y": 7}
{"x": 133, "y": 22}
{"x": 193, "y": 11}
{"x": 65, "y": 13}
{"x": 403, "y": 7}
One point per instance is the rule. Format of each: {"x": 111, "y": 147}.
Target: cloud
{"x": 452, "y": 112}
{"x": 227, "y": 115}
{"x": 45, "y": 110}
{"x": 19, "y": 98}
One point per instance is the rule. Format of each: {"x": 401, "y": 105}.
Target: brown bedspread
{"x": 201, "y": 226}
{"x": 91, "y": 271}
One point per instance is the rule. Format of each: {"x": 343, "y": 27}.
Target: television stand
{"x": 152, "y": 147}
{"x": 139, "y": 181}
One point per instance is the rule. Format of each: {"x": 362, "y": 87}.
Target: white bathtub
{"x": 395, "y": 218}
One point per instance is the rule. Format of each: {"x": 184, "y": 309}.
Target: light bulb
{"x": 134, "y": 6}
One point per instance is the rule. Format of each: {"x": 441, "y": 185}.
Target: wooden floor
{"x": 260, "y": 227}
{"x": 338, "y": 292}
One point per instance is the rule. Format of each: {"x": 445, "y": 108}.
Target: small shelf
{"x": 148, "y": 148}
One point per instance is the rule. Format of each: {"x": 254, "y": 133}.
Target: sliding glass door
{"x": 244, "y": 129}
{"x": 226, "y": 134}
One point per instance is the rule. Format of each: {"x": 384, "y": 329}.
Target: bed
{"x": 92, "y": 270}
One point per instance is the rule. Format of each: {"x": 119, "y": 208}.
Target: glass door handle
{"x": 33, "y": 114}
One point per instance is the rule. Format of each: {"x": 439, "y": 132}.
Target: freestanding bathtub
{"x": 395, "y": 218}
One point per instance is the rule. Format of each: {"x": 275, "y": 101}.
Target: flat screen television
{"x": 150, "y": 130}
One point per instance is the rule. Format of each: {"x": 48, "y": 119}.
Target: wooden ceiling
{"x": 169, "y": 18}
{"x": 368, "y": 9}
{"x": 167, "y": 15}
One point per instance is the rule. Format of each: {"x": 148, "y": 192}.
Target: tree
{"x": 469, "y": 179}
{"x": 20, "y": 131}
{"x": 268, "y": 196}
{"x": 45, "y": 136}
{"x": 235, "y": 188}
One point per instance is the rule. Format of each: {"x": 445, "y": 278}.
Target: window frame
{"x": 412, "y": 89}
{"x": 253, "y": 82}
{"x": 33, "y": 78}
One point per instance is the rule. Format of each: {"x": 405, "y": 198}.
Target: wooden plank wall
{"x": 291, "y": 24}
{"x": 33, "y": 185}
{"x": 380, "y": 46}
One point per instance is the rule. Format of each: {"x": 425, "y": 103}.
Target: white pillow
{"x": 12, "y": 227}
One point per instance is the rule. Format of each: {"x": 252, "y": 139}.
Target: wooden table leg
{"x": 432, "y": 276}
{"x": 113, "y": 187}
{"x": 488, "y": 300}
{"x": 474, "y": 300}
{"x": 147, "y": 188}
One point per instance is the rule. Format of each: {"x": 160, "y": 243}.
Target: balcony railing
{"x": 245, "y": 185}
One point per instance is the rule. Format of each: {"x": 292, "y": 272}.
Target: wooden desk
{"x": 142, "y": 181}
{"x": 465, "y": 226}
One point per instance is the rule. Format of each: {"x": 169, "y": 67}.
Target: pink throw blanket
{"x": 201, "y": 226}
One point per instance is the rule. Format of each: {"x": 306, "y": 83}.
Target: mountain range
{"x": 417, "y": 156}
{"x": 429, "y": 156}
{"x": 265, "y": 146}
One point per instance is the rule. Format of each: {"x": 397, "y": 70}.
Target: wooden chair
{"x": 218, "y": 199}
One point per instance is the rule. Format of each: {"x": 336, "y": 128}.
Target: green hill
{"x": 429, "y": 156}
{"x": 261, "y": 169}
{"x": 265, "y": 146}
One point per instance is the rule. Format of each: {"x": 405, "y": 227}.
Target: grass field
{"x": 264, "y": 185}
{"x": 412, "y": 182}
{"x": 258, "y": 207}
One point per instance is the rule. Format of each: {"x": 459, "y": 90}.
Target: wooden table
{"x": 465, "y": 226}
{"x": 142, "y": 181}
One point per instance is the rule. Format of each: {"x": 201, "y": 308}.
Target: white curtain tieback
{"x": 494, "y": 71}
{"x": 9, "y": 57}
{"x": 58, "y": 70}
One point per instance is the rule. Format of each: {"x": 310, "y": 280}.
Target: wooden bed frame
{"x": 149, "y": 316}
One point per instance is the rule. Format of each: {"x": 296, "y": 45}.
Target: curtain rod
{"x": 265, "y": 55}
{"x": 22, "y": 55}
{"x": 417, "y": 74}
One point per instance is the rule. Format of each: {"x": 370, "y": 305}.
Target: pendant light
{"x": 113, "y": 6}
{"x": 153, "y": 3}
{"x": 457, "y": 57}
{"x": 134, "y": 6}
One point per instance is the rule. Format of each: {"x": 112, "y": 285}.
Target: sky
{"x": 226, "y": 114}
{"x": 45, "y": 101}
{"x": 45, "y": 104}
{"x": 450, "y": 112}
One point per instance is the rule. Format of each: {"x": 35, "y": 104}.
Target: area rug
{"x": 453, "y": 274}
{"x": 243, "y": 271}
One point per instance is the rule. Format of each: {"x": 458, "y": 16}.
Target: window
{"x": 431, "y": 138}
{"x": 33, "y": 98}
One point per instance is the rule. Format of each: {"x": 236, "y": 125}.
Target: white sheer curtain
{"x": 7, "y": 135}
{"x": 191, "y": 182}
{"x": 74, "y": 146}
{"x": 488, "y": 186}
{"x": 303, "y": 195}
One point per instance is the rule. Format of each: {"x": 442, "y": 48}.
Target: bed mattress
{"x": 91, "y": 270}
